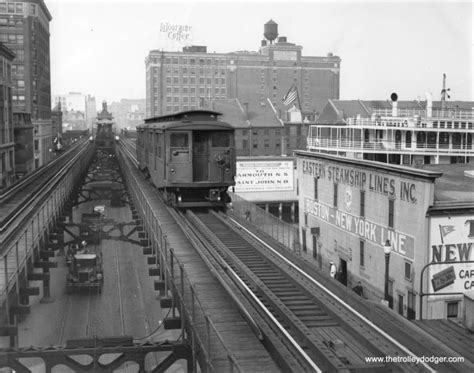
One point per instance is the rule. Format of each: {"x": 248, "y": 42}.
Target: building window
{"x": 452, "y": 309}
{"x": 255, "y": 132}
{"x": 306, "y": 220}
{"x": 411, "y": 303}
{"x": 245, "y": 144}
{"x": 391, "y": 212}
{"x": 408, "y": 271}
{"x": 335, "y": 195}
{"x": 266, "y": 143}
{"x": 255, "y": 144}
{"x": 316, "y": 188}
{"x": 362, "y": 203}
{"x": 362, "y": 253}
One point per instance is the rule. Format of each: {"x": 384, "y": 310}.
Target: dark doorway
{"x": 342, "y": 272}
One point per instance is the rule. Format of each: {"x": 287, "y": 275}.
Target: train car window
{"x": 220, "y": 139}
{"x": 179, "y": 140}
{"x": 160, "y": 139}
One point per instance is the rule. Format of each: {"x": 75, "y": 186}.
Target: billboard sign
{"x": 451, "y": 247}
{"x": 257, "y": 176}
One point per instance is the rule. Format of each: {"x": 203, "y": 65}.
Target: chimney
{"x": 246, "y": 105}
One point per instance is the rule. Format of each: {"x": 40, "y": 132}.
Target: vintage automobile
{"x": 85, "y": 272}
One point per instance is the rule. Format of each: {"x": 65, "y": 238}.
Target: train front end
{"x": 201, "y": 164}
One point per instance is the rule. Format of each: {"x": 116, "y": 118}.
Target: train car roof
{"x": 205, "y": 119}
{"x": 189, "y": 114}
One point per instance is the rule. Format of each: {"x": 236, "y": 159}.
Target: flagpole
{"x": 299, "y": 102}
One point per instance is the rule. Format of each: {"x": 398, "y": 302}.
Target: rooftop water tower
{"x": 270, "y": 31}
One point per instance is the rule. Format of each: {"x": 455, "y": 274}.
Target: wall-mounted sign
{"x": 264, "y": 176}
{"x": 444, "y": 278}
{"x": 375, "y": 182}
{"x": 285, "y": 55}
{"x": 402, "y": 243}
{"x": 451, "y": 246}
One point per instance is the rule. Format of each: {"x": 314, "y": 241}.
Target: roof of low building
{"x": 456, "y": 185}
{"x": 251, "y": 115}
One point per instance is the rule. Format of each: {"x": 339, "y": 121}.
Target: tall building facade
{"x": 24, "y": 28}
{"x": 183, "y": 80}
{"x": 7, "y": 144}
{"x": 79, "y": 110}
{"x": 128, "y": 113}
{"x": 91, "y": 111}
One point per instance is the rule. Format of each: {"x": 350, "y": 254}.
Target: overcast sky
{"x": 99, "y": 47}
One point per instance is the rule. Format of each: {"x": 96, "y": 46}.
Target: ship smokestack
{"x": 394, "y": 98}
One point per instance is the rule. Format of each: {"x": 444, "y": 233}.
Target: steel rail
{"x": 13, "y": 216}
{"x": 23, "y": 182}
{"x": 335, "y": 297}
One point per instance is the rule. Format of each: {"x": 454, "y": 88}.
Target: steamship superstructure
{"x": 407, "y": 132}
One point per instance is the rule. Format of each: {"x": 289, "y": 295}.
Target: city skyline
{"x": 398, "y": 47}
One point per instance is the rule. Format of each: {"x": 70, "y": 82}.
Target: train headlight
{"x": 99, "y": 276}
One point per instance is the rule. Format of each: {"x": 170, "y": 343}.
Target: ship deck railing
{"x": 388, "y": 146}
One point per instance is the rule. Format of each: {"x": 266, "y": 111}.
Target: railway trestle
{"x": 116, "y": 351}
{"x": 32, "y": 244}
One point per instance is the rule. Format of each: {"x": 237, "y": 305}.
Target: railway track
{"x": 322, "y": 327}
{"x": 17, "y": 200}
{"x": 332, "y": 335}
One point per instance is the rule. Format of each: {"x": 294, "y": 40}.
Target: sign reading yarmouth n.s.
{"x": 402, "y": 243}
{"x": 451, "y": 250}
{"x": 362, "y": 179}
{"x": 264, "y": 176}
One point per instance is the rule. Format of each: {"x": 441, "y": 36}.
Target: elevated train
{"x": 189, "y": 156}
{"x": 105, "y": 137}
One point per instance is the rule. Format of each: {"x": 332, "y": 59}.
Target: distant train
{"x": 189, "y": 156}
{"x": 105, "y": 137}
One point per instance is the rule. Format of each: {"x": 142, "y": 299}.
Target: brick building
{"x": 7, "y": 144}
{"x": 24, "y": 28}
{"x": 179, "y": 80}
{"x": 353, "y": 213}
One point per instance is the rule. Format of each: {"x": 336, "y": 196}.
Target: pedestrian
{"x": 358, "y": 289}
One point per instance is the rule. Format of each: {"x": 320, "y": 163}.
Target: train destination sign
{"x": 402, "y": 244}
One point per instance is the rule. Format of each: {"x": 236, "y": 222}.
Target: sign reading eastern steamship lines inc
{"x": 362, "y": 179}
{"x": 451, "y": 246}
{"x": 402, "y": 243}
{"x": 264, "y": 176}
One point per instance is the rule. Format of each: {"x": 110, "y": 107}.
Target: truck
{"x": 85, "y": 272}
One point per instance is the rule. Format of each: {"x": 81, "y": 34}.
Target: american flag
{"x": 290, "y": 96}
